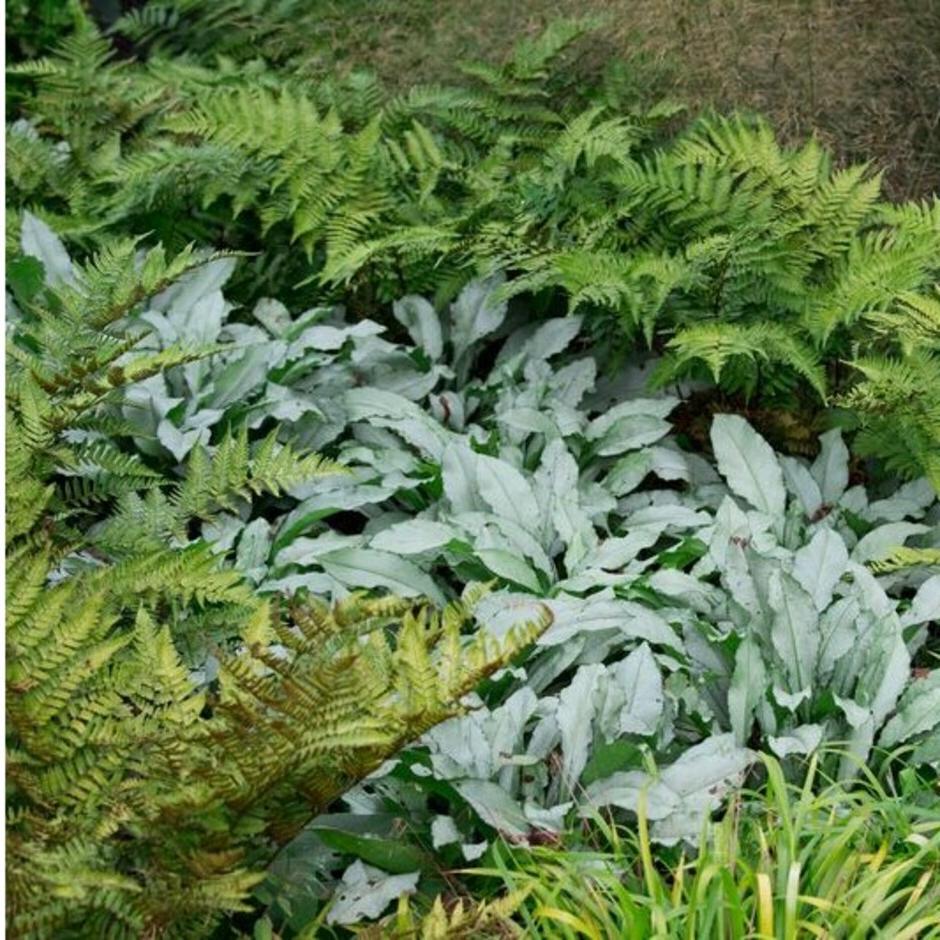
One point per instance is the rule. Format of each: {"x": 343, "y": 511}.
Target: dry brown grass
{"x": 864, "y": 75}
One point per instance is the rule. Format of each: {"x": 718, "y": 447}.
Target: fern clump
{"x": 753, "y": 266}
{"x": 141, "y": 802}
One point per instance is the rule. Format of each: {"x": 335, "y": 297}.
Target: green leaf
{"x": 511, "y": 567}
{"x": 392, "y": 855}
{"x": 688, "y": 550}
{"x": 263, "y": 929}
{"x": 609, "y": 758}
{"x": 25, "y": 278}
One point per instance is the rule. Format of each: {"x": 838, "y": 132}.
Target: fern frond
{"x": 904, "y": 557}
{"x": 415, "y": 677}
{"x": 898, "y": 401}
{"x": 722, "y": 346}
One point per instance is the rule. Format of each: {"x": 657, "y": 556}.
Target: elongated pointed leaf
{"x": 39, "y": 241}
{"x": 368, "y": 567}
{"x": 509, "y": 566}
{"x": 749, "y": 464}
{"x": 830, "y": 469}
{"x": 918, "y": 712}
{"x": 420, "y": 319}
{"x": 576, "y": 709}
{"x": 795, "y": 629}
{"x": 507, "y": 492}
{"x": 882, "y": 541}
{"x": 748, "y": 686}
{"x": 414, "y": 537}
{"x": 818, "y": 566}
{"x": 475, "y": 313}
{"x": 639, "y": 678}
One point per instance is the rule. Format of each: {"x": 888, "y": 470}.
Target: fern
{"x": 760, "y": 266}
{"x": 899, "y": 409}
{"x": 897, "y": 399}
{"x": 460, "y": 920}
{"x": 224, "y": 480}
{"x": 734, "y": 353}
{"x": 904, "y": 557}
{"x": 129, "y": 804}
{"x": 76, "y": 346}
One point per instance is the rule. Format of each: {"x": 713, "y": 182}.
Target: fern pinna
{"x": 144, "y": 799}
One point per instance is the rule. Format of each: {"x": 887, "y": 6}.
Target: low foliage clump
{"x": 786, "y": 862}
{"x": 690, "y": 625}
{"x": 308, "y": 611}
{"x": 144, "y": 797}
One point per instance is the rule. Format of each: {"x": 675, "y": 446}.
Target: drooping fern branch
{"x": 898, "y": 397}
{"x": 142, "y": 804}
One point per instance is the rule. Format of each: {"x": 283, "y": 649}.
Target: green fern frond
{"x": 461, "y": 920}
{"x": 904, "y": 557}
{"x": 531, "y": 58}
{"x": 721, "y": 346}
{"x": 914, "y": 324}
{"x": 898, "y": 402}
{"x": 415, "y": 675}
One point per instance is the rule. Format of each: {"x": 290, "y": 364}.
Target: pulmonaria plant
{"x": 821, "y": 651}
{"x": 726, "y": 609}
{"x": 523, "y": 474}
{"x": 771, "y": 634}
{"x": 699, "y": 612}
{"x": 747, "y": 584}
{"x": 450, "y": 478}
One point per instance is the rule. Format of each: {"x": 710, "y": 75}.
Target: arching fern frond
{"x": 898, "y": 402}
{"x": 727, "y": 348}
{"x": 904, "y": 557}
